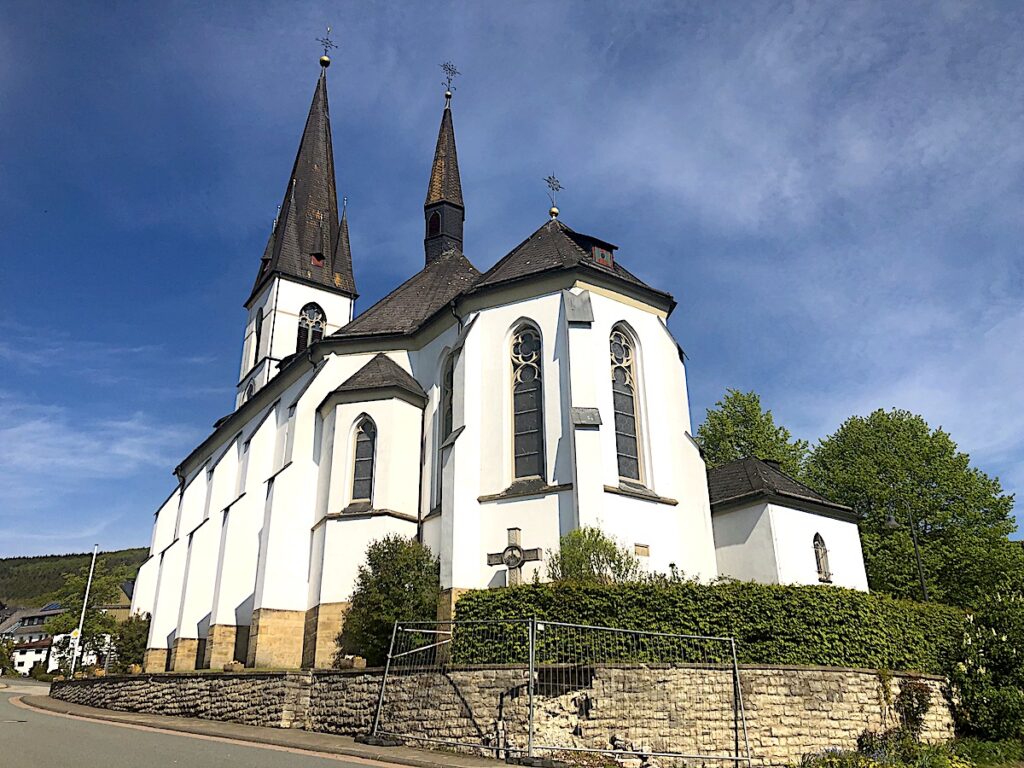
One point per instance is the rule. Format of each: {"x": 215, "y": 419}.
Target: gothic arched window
{"x": 821, "y": 559}
{"x": 312, "y": 322}
{"x": 362, "y": 471}
{"x": 258, "y": 332}
{"x": 527, "y": 403}
{"x": 627, "y": 443}
{"x": 447, "y": 399}
{"x": 434, "y": 224}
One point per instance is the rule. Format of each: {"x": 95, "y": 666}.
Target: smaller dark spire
{"x": 444, "y": 211}
{"x": 343, "y": 254}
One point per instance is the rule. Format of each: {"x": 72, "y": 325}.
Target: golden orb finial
{"x": 553, "y": 212}
{"x": 328, "y": 44}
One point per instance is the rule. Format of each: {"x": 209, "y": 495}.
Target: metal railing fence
{"x": 518, "y": 688}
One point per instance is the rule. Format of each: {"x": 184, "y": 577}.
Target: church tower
{"x": 304, "y": 289}
{"x": 444, "y": 211}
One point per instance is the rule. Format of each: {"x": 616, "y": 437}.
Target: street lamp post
{"x": 892, "y": 523}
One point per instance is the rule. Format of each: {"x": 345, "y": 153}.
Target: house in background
{"x": 121, "y": 608}
{"x": 773, "y": 529}
{"x": 27, "y": 630}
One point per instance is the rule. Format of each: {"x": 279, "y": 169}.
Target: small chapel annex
{"x": 486, "y": 413}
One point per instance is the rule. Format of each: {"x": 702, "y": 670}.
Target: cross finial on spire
{"x": 554, "y": 187}
{"x": 450, "y": 73}
{"x": 328, "y": 44}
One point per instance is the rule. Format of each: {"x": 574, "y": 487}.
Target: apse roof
{"x": 555, "y": 246}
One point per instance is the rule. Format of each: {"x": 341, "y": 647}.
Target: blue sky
{"x": 832, "y": 191}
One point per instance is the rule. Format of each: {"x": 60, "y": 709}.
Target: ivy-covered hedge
{"x": 772, "y": 624}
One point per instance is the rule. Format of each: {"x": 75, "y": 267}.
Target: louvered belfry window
{"x": 312, "y": 322}
{"x": 627, "y": 444}
{"x": 527, "y": 404}
{"x": 366, "y": 448}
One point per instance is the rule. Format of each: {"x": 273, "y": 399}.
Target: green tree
{"x": 106, "y": 585}
{"x": 400, "y": 581}
{"x": 130, "y": 641}
{"x": 6, "y": 662}
{"x": 738, "y": 426}
{"x": 890, "y": 466}
{"x": 587, "y": 555}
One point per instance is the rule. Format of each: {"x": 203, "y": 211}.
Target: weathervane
{"x": 328, "y": 44}
{"x": 450, "y": 73}
{"x": 554, "y": 187}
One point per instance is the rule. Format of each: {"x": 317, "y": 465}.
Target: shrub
{"x": 989, "y": 753}
{"x": 399, "y": 582}
{"x": 988, "y": 678}
{"x": 130, "y": 641}
{"x": 588, "y": 556}
{"x": 895, "y": 748}
{"x": 912, "y": 704}
{"x": 772, "y": 624}
{"x": 38, "y": 672}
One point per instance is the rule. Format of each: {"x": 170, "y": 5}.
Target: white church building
{"x": 486, "y": 413}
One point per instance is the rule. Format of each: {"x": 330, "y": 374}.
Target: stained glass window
{"x": 527, "y": 404}
{"x": 312, "y": 322}
{"x": 627, "y": 444}
{"x": 362, "y": 475}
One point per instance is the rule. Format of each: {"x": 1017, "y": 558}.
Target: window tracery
{"x": 312, "y": 324}
{"x": 623, "y": 371}
{"x": 527, "y": 404}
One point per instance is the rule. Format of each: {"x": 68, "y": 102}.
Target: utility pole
{"x": 76, "y": 641}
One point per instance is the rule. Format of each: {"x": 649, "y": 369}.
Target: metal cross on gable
{"x": 513, "y": 557}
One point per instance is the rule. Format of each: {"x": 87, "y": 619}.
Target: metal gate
{"x": 525, "y": 688}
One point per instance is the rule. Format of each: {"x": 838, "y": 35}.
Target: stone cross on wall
{"x": 513, "y": 557}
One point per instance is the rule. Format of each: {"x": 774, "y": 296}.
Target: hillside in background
{"x": 29, "y": 581}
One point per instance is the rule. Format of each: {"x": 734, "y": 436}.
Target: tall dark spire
{"x": 444, "y": 211}
{"x": 304, "y": 243}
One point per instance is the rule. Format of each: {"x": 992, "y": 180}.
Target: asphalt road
{"x": 42, "y": 740}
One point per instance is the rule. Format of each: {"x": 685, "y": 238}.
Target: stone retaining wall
{"x": 789, "y": 711}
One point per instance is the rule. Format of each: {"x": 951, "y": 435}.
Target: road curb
{"x": 302, "y": 740}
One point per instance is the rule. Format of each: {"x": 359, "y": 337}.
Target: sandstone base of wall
{"x": 789, "y": 711}
{"x": 275, "y": 639}
{"x": 183, "y": 654}
{"x": 221, "y": 646}
{"x": 323, "y": 623}
{"x": 155, "y": 660}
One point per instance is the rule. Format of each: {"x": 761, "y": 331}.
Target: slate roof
{"x": 307, "y": 223}
{"x": 415, "y": 301}
{"x": 380, "y": 372}
{"x": 445, "y": 185}
{"x": 750, "y": 479}
{"x": 553, "y": 247}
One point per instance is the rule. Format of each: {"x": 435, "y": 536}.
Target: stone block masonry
{"x": 790, "y": 711}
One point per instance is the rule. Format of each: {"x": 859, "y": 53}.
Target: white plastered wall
{"x": 482, "y": 454}
{"x": 677, "y": 535}
{"x": 281, "y": 301}
{"x": 794, "y": 541}
{"x": 774, "y": 544}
